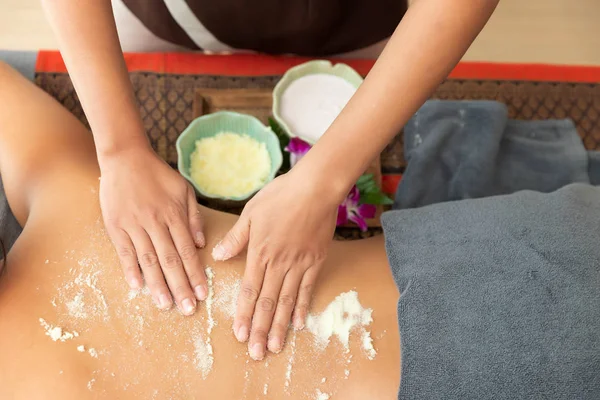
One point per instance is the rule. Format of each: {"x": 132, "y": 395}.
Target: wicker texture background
{"x": 166, "y": 107}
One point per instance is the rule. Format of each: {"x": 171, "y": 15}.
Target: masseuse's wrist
{"x": 115, "y": 147}
{"x": 328, "y": 187}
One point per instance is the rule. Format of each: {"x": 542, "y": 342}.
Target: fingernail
{"x": 200, "y": 241}
{"x": 200, "y": 292}
{"x": 164, "y": 302}
{"x": 274, "y": 345}
{"x": 242, "y": 334}
{"x": 219, "y": 253}
{"x": 298, "y": 323}
{"x": 188, "y": 306}
{"x": 135, "y": 283}
{"x": 257, "y": 352}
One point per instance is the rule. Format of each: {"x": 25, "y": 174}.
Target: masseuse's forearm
{"x": 428, "y": 43}
{"x": 90, "y": 46}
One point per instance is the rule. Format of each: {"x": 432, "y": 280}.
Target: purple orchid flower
{"x": 351, "y": 210}
{"x": 297, "y": 149}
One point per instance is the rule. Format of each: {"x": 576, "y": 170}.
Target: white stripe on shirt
{"x": 185, "y": 17}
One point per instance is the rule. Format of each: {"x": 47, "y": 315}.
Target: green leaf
{"x": 370, "y": 193}
{"x": 284, "y": 139}
{"x": 375, "y": 198}
{"x": 363, "y": 180}
{"x": 366, "y": 183}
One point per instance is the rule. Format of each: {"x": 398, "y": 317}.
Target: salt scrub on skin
{"x": 230, "y": 165}
{"x": 321, "y": 395}
{"x": 56, "y": 333}
{"x": 133, "y": 293}
{"x": 310, "y": 104}
{"x": 76, "y": 307}
{"x": 226, "y": 297}
{"x": 340, "y": 317}
{"x": 288, "y": 372}
{"x": 204, "y": 351}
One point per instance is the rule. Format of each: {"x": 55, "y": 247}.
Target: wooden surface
{"x": 522, "y": 31}
{"x": 258, "y": 102}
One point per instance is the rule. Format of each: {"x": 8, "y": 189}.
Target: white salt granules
{"x": 134, "y": 294}
{"x": 367, "y": 345}
{"x": 81, "y": 349}
{"x": 321, "y": 395}
{"x": 204, "y": 358}
{"x": 83, "y": 305}
{"x": 311, "y": 103}
{"x": 56, "y": 333}
{"x": 288, "y": 372}
{"x": 210, "y": 298}
{"x": 204, "y": 351}
{"x": 76, "y": 307}
{"x": 226, "y": 298}
{"x": 340, "y": 317}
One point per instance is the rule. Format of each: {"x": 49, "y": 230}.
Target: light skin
{"x": 286, "y": 228}
{"x": 50, "y": 179}
{"x": 149, "y": 210}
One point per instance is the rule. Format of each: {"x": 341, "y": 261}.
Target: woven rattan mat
{"x": 166, "y": 104}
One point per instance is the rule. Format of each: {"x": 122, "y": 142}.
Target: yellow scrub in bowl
{"x": 228, "y": 156}
{"x": 230, "y": 165}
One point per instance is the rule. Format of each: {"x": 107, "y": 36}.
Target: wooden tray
{"x": 258, "y": 102}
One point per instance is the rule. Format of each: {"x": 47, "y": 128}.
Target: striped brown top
{"x": 303, "y": 27}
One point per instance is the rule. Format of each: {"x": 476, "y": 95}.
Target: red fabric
{"x": 256, "y": 65}
{"x": 389, "y": 183}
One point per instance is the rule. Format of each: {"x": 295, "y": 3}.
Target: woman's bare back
{"x": 63, "y": 273}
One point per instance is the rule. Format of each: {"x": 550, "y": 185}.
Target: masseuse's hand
{"x": 152, "y": 218}
{"x": 287, "y": 227}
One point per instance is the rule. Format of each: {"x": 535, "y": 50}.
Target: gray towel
{"x": 500, "y": 296}
{"x": 470, "y": 149}
{"x": 22, "y": 61}
{"x": 9, "y": 227}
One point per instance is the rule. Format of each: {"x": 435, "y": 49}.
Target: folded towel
{"x": 22, "y": 61}
{"x": 9, "y": 227}
{"x": 500, "y": 297}
{"x": 470, "y": 149}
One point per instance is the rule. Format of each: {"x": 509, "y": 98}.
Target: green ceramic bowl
{"x": 212, "y": 124}
{"x": 312, "y": 67}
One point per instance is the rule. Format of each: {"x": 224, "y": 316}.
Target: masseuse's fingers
{"x": 127, "y": 257}
{"x": 251, "y": 286}
{"x": 153, "y": 275}
{"x": 304, "y": 297}
{"x": 283, "y": 312}
{"x": 172, "y": 268}
{"x": 264, "y": 311}
{"x": 234, "y": 241}
{"x": 195, "y": 220}
{"x": 189, "y": 256}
